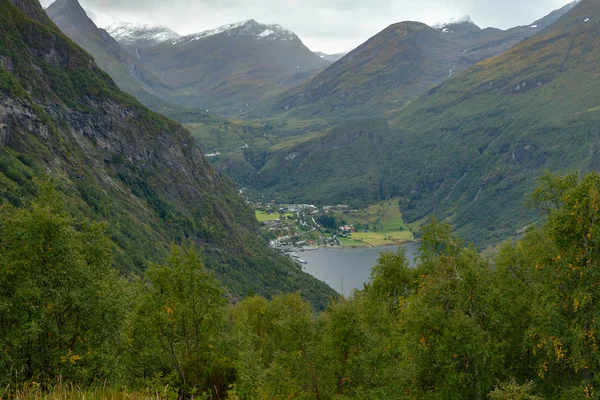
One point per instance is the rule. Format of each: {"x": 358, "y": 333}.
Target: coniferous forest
{"x": 523, "y": 325}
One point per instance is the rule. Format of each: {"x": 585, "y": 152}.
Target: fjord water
{"x": 346, "y": 269}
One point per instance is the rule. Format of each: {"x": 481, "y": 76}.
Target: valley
{"x": 365, "y": 106}
{"x": 213, "y": 210}
{"x": 465, "y": 151}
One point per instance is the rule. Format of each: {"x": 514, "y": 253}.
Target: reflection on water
{"x": 346, "y": 269}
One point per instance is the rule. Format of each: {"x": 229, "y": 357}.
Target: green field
{"x": 263, "y": 216}
{"x": 382, "y": 238}
{"x": 384, "y": 221}
{"x": 352, "y": 243}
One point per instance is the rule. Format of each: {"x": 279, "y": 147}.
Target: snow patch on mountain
{"x": 129, "y": 33}
{"x": 454, "y": 21}
{"x": 244, "y": 28}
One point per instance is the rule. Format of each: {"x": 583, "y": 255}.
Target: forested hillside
{"x": 456, "y": 326}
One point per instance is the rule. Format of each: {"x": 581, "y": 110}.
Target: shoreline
{"x": 370, "y": 246}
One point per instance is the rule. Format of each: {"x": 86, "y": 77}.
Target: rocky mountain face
{"x": 61, "y": 116}
{"x": 470, "y": 149}
{"x": 228, "y": 69}
{"x": 395, "y": 67}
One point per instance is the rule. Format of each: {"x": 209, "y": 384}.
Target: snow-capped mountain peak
{"x": 135, "y": 34}
{"x": 245, "y": 28}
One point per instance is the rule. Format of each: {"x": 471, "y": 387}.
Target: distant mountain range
{"x": 453, "y": 120}
{"x": 223, "y": 70}
{"x": 133, "y": 36}
{"x": 228, "y": 69}
{"x": 252, "y": 69}
{"x": 395, "y": 67}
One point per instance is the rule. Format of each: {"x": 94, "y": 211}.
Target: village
{"x": 295, "y": 228}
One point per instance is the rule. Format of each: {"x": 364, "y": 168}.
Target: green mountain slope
{"x": 61, "y": 116}
{"x": 469, "y": 149}
{"x": 395, "y": 67}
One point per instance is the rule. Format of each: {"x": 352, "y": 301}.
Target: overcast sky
{"x": 323, "y": 25}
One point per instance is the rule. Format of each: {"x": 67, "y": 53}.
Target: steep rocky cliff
{"x": 62, "y": 117}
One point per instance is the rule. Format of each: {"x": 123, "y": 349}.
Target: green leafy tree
{"x": 359, "y": 349}
{"x": 179, "y": 321}
{"x": 448, "y": 324}
{"x": 276, "y": 348}
{"x": 561, "y": 260}
{"x": 392, "y": 280}
{"x": 63, "y": 308}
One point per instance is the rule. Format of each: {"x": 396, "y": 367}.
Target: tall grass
{"x": 69, "y": 391}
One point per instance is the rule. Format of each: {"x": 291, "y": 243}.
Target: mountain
{"x": 376, "y": 80}
{"x": 395, "y": 67}
{"x": 62, "y": 117}
{"x": 132, "y": 36}
{"x": 468, "y": 150}
{"x": 227, "y": 69}
{"x": 124, "y": 68}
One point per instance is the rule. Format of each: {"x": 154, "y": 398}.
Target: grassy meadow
{"x": 379, "y": 224}
{"x": 263, "y": 216}
{"x": 348, "y": 242}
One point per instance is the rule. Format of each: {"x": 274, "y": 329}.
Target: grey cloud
{"x": 328, "y": 25}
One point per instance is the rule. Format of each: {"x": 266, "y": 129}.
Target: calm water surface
{"x": 347, "y": 266}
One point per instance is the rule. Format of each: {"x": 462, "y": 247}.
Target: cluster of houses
{"x": 290, "y": 243}
{"x": 296, "y": 208}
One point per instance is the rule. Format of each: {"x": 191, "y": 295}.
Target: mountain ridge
{"x": 393, "y": 68}
{"x": 249, "y": 27}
